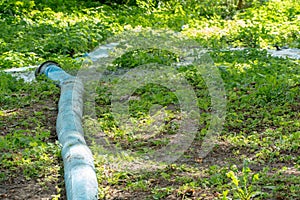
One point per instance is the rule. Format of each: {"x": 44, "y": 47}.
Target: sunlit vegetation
{"x": 257, "y": 152}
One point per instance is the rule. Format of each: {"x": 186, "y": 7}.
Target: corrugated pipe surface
{"x": 80, "y": 177}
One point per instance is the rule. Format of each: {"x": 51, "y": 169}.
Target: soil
{"x": 18, "y": 187}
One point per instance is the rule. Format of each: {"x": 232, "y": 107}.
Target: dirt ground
{"x": 18, "y": 188}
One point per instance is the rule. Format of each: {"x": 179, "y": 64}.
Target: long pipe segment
{"x": 80, "y": 176}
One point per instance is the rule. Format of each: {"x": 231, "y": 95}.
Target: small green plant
{"x": 243, "y": 185}
{"x": 159, "y": 193}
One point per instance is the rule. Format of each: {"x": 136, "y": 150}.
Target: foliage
{"x": 16, "y": 7}
{"x": 29, "y": 154}
{"x": 262, "y": 121}
{"x": 242, "y": 189}
{"x": 144, "y": 56}
{"x": 33, "y": 31}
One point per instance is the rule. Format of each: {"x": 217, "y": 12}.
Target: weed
{"x": 243, "y": 185}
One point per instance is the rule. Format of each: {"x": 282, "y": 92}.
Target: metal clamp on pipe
{"x": 79, "y": 170}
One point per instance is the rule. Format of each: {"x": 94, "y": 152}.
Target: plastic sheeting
{"x": 80, "y": 177}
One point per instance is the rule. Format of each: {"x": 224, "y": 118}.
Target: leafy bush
{"x": 13, "y": 7}
{"x": 145, "y": 56}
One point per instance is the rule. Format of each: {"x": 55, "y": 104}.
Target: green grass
{"x": 256, "y": 155}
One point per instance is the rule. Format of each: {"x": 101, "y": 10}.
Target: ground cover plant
{"x": 257, "y": 152}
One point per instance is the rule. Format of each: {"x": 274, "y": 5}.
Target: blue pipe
{"x": 79, "y": 170}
